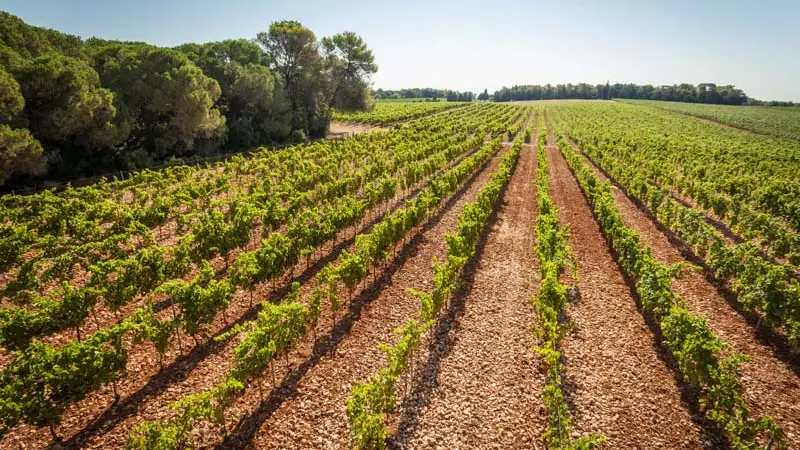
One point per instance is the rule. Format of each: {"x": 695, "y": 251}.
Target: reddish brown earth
{"x": 620, "y": 386}
{"x": 480, "y": 385}
{"x": 771, "y": 385}
{"x": 310, "y": 411}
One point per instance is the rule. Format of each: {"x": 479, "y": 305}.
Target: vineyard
{"x": 570, "y": 275}
{"x": 388, "y": 112}
{"x": 771, "y": 121}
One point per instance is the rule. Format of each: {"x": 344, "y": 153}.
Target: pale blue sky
{"x": 469, "y": 45}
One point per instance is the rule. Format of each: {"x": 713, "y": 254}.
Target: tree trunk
{"x": 53, "y": 434}
{"x": 175, "y": 324}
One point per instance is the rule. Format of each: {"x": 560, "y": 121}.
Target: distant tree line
{"x": 427, "y": 93}
{"x": 71, "y": 107}
{"x": 754, "y": 102}
{"x": 702, "y": 93}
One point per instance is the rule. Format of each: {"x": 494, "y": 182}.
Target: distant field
{"x": 394, "y": 111}
{"x": 783, "y": 122}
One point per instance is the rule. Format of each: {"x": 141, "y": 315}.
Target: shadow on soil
{"x": 424, "y": 380}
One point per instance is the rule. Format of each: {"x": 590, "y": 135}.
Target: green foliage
{"x": 702, "y": 93}
{"x": 65, "y": 102}
{"x": 200, "y": 300}
{"x": 154, "y": 84}
{"x": 550, "y": 303}
{"x": 40, "y": 384}
{"x": 295, "y": 58}
{"x": 98, "y": 106}
{"x": 253, "y": 102}
{"x": 125, "y": 262}
{"x": 11, "y": 100}
{"x": 762, "y": 286}
{"x": 158, "y": 436}
{"x": 20, "y": 152}
{"x": 702, "y": 358}
{"x": 423, "y": 95}
{"x": 275, "y": 331}
{"x": 775, "y": 121}
{"x": 350, "y": 63}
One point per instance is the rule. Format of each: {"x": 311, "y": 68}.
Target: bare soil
{"x": 620, "y": 384}
{"x": 480, "y": 385}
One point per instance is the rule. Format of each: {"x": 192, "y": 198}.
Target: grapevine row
{"x": 386, "y": 113}
{"x": 78, "y": 221}
{"x": 140, "y": 275}
{"x": 746, "y": 181}
{"x": 550, "y": 302}
{"x": 294, "y": 179}
{"x": 761, "y": 286}
{"x": 703, "y": 359}
{"x": 372, "y": 400}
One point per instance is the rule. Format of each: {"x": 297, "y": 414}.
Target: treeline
{"x": 754, "y": 102}
{"x": 71, "y": 108}
{"x": 702, "y": 93}
{"x": 427, "y": 93}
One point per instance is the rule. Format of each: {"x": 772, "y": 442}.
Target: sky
{"x": 476, "y": 45}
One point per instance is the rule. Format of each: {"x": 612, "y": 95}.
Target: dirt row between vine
{"x": 480, "y": 385}
{"x": 618, "y": 380}
{"x": 310, "y": 412}
{"x": 771, "y": 385}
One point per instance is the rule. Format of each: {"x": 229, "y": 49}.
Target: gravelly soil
{"x": 771, "y": 385}
{"x": 620, "y": 387}
{"x": 482, "y": 379}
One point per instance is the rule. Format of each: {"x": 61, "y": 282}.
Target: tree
{"x": 252, "y": 100}
{"x": 20, "y": 152}
{"x": 30, "y": 42}
{"x": 11, "y": 101}
{"x": 96, "y": 106}
{"x": 65, "y": 102}
{"x": 484, "y": 95}
{"x": 351, "y": 64}
{"x": 295, "y": 57}
{"x": 168, "y": 101}
{"x": 703, "y": 93}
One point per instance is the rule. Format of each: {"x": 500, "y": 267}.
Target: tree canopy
{"x": 351, "y": 64}
{"x": 71, "y": 107}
